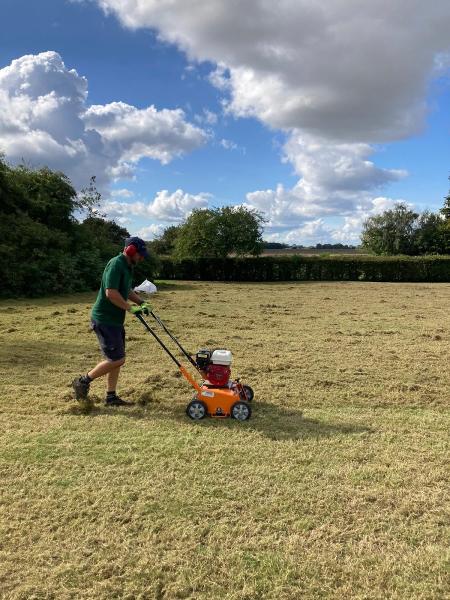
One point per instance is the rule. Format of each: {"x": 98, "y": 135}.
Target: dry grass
{"x": 337, "y": 487}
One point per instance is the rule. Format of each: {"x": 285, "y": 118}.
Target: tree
{"x": 392, "y": 232}
{"x": 165, "y": 243}
{"x": 445, "y": 227}
{"x": 89, "y": 199}
{"x": 36, "y": 230}
{"x": 99, "y": 228}
{"x": 241, "y": 231}
{"x": 274, "y": 246}
{"x": 106, "y": 236}
{"x": 334, "y": 247}
{"x": 429, "y": 236}
{"x": 219, "y": 232}
{"x": 445, "y": 210}
{"x": 43, "y": 248}
{"x": 198, "y": 235}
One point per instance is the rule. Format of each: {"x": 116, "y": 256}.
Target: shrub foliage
{"x": 219, "y": 232}
{"x": 309, "y": 268}
{"x": 44, "y": 249}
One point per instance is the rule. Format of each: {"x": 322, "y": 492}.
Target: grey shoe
{"x": 116, "y": 401}
{"x": 81, "y": 388}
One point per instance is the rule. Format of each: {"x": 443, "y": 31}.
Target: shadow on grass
{"x": 274, "y": 422}
{"x": 38, "y": 353}
{"x": 10, "y": 304}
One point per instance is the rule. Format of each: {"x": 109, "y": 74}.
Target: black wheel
{"x": 241, "y": 411}
{"x": 196, "y": 410}
{"x": 249, "y": 394}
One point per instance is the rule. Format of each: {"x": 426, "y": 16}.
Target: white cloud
{"x": 137, "y": 133}
{"x": 150, "y": 232}
{"x": 228, "y": 144}
{"x": 220, "y": 78}
{"x": 188, "y": 70}
{"x": 291, "y": 219}
{"x": 344, "y": 230}
{"x": 207, "y": 117}
{"x": 124, "y": 221}
{"x": 310, "y": 233}
{"x": 122, "y": 193}
{"x": 124, "y": 170}
{"x": 336, "y": 180}
{"x": 45, "y": 120}
{"x": 337, "y": 77}
{"x": 176, "y": 206}
{"x": 352, "y": 71}
{"x": 166, "y": 207}
{"x": 333, "y": 166}
{"x": 115, "y": 208}
{"x": 441, "y": 63}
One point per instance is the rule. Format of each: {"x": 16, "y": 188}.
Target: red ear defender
{"x": 130, "y": 250}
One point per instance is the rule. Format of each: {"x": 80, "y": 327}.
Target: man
{"x": 107, "y": 320}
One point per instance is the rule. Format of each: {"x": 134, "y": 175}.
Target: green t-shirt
{"x": 117, "y": 276}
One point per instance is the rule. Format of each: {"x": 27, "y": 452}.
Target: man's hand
{"x": 146, "y": 307}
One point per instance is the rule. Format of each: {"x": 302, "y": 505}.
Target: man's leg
{"x": 106, "y": 367}
{"x": 112, "y": 345}
{"x": 81, "y": 384}
{"x": 111, "y": 379}
{"x": 112, "y": 371}
{"x": 112, "y": 399}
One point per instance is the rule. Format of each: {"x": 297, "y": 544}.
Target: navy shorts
{"x": 111, "y": 339}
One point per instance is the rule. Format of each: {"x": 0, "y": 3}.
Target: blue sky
{"x": 293, "y": 113}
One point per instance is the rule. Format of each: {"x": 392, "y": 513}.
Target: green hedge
{"x": 310, "y": 268}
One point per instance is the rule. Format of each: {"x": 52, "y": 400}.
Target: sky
{"x": 317, "y": 115}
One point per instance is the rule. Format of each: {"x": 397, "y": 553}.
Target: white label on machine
{"x": 208, "y": 394}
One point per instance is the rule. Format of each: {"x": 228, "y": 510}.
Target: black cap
{"x": 139, "y": 244}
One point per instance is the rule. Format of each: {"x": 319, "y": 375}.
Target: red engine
{"x": 214, "y": 366}
{"x": 218, "y": 375}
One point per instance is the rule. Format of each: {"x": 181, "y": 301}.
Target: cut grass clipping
{"x": 337, "y": 487}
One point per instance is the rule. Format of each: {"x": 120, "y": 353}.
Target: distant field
{"x": 314, "y": 252}
{"x": 336, "y": 488}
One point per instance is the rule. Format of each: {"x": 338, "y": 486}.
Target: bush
{"x": 310, "y": 268}
{"x": 43, "y": 248}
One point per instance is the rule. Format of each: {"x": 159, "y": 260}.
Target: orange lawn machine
{"x": 217, "y": 395}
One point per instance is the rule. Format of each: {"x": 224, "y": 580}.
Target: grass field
{"x": 338, "y": 487}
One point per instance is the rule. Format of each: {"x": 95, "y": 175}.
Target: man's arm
{"x": 117, "y": 299}
{"x": 134, "y": 298}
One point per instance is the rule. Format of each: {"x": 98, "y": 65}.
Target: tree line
{"x": 54, "y": 240}
{"x": 401, "y": 230}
